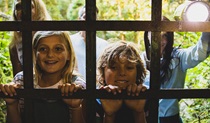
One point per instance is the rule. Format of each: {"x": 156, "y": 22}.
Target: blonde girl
{"x": 54, "y": 63}
{"x": 39, "y": 13}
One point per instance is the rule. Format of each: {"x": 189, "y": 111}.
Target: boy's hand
{"x": 111, "y": 106}
{"x": 111, "y": 88}
{"x": 134, "y": 89}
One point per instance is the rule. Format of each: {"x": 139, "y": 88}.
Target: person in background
{"x": 174, "y": 64}
{"x": 54, "y": 63}
{"x": 38, "y": 13}
{"x": 120, "y": 68}
{"x": 79, "y": 44}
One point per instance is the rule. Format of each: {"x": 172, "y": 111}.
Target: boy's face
{"x": 122, "y": 73}
{"x": 52, "y": 54}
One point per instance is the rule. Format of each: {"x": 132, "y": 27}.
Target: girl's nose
{"x": 50, "y": 53}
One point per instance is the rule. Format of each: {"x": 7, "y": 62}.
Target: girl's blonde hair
{"x": 41, "y": 14}
{"x": 117, "y": 50}
{"x": 68, "y": 69}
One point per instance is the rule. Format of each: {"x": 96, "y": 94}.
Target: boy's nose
{"x": 122, "y": 72}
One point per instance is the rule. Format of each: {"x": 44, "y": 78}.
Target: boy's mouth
{"x": 121, "y": 81}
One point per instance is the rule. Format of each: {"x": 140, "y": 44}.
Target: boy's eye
{"x": 130, "y": 67}
{"x": 113, "y": 67}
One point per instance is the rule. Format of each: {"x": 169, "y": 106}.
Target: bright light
{"x": 197, "y": 12}
{"x": 193, "y": 11}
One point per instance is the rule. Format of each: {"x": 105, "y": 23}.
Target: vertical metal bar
{"x": 27, "y": 60}
{"x": 91, "y": 60}
{"x": 155, "y": 60}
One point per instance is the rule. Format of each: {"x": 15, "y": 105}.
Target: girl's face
{"x": 52, "y": 54}
{"x": 163, "y": 44}
{"x": 18, "y": 12}
{"x": 122, "y": 73}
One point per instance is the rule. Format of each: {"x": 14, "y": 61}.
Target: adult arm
{"x": 192, "y": 56}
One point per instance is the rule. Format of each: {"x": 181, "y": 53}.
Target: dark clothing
{"x": 51, "y": 111}
{"x": 124, "y": 115}
{"x": 171, "y": 119}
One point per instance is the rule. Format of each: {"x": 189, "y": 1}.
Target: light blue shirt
{"x": 80, "y": 51}
{"x": 183, "y": 59}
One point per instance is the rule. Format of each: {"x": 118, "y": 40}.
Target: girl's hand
{"x": 67, "y": 89}
{"x": 9, "y": 89}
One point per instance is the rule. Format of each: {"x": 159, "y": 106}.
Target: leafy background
{"x": 191, "y": 110}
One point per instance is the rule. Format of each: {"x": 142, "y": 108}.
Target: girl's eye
{"x": 59, "y": 49}
{"x": 42, "y": 49}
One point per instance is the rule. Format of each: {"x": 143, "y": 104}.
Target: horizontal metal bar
{"x": 166, "y": 94}
{"x": 106, "y": 25}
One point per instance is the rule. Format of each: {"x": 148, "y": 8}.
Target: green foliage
{"x": 73, "y": 9}
{"x": 6, "y": 68}
{"x": 5, "y": 64}
{"x": 57, "y": 8}
{"x": 197, "y": 110}
{"x": 2, "y": 111}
